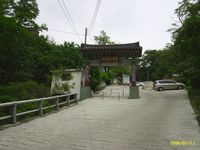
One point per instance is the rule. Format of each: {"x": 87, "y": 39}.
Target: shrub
{"x": 22, "y": 90}
{"x": 95, "y": 78}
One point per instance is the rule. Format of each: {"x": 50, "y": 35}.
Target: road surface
{"x": 148, "y": 123}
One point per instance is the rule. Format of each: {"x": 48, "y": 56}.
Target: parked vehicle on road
{"x": 161, "y": 85}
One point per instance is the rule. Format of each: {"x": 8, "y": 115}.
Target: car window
{"x": 163, "y": 81}
{"x": 171, "y": 82}
{"x": 166, "y": 81}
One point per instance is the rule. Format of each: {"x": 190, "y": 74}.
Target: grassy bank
{"x": 194, "y": 96}
{"x": 21, "y": 91}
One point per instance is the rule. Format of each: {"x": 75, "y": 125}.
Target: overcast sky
{"x": 125, "y": 21}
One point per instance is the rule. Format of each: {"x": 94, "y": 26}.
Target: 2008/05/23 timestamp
{"x": 175, "y": 142}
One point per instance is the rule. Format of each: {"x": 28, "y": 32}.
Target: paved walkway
{"x": 148, "y": 123}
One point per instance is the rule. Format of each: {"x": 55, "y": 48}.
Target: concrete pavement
{"x": 148, "y": 123}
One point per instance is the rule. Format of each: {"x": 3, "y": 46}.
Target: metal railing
{"x": 108, "y": 93}
{"x": 117, "y": 90}
{"x": 58, "y": 103}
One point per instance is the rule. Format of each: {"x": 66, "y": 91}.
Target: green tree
{"x": 119, "y": 70}
{"x": 8, "y": 7}
{"x": 187, "y": 40}
{"x": 103, "y": 39}
{"x": 26, "y": 12}
{"x": 15, "y": 55}
{"x": 186, "y": 37}
{"x": 149, "y": 63}
{"x": 2, "y": 3}
{"x": 95, "y": 78}
{"x": 66, "y": 55}
{"x": 25, "y": 59}
{"x": 157, "y": 64}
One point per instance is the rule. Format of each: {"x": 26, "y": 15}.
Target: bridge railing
{"x": 57, "y": 102}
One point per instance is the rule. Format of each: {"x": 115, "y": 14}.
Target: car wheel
{"x": 180, "y": 87}
{"x": 160, "y": 89}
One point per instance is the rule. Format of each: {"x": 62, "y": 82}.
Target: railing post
{"x": 41, "y": 107}
{"x": 68, "y": 98}
{"x": 76, "y": 98}
{"x": 14, "y": 112}
{"x": 57, "y": 103}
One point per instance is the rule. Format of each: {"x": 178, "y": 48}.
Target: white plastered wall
{"x": 75, "y": 82}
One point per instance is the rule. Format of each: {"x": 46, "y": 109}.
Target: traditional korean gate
{"x": 111, "y": 55}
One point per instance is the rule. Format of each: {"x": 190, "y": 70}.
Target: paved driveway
{"x": 148, "y": 123}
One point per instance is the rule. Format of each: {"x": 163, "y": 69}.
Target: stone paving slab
{"x": 148, "y": 123}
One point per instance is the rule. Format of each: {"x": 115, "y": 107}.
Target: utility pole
{"x": 86, "y": 35}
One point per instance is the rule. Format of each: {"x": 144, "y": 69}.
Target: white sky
{"x": 125, "y": 21}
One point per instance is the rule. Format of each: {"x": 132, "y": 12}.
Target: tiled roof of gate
{"x": 129, "y": 46}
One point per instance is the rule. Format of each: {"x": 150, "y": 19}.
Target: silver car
{"x": 161, "y": 85}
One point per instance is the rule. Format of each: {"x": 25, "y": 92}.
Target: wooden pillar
{"x": 133, "y": 89}
{"x": 86, "y": 75}
{"x": 133, "y": 75}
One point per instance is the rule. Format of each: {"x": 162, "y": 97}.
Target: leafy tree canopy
{"x": 187, "y": 40}
{"x": 103, "y": 39}
{"x": 24, "y": 56}
{"x": 24, "y": 12}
